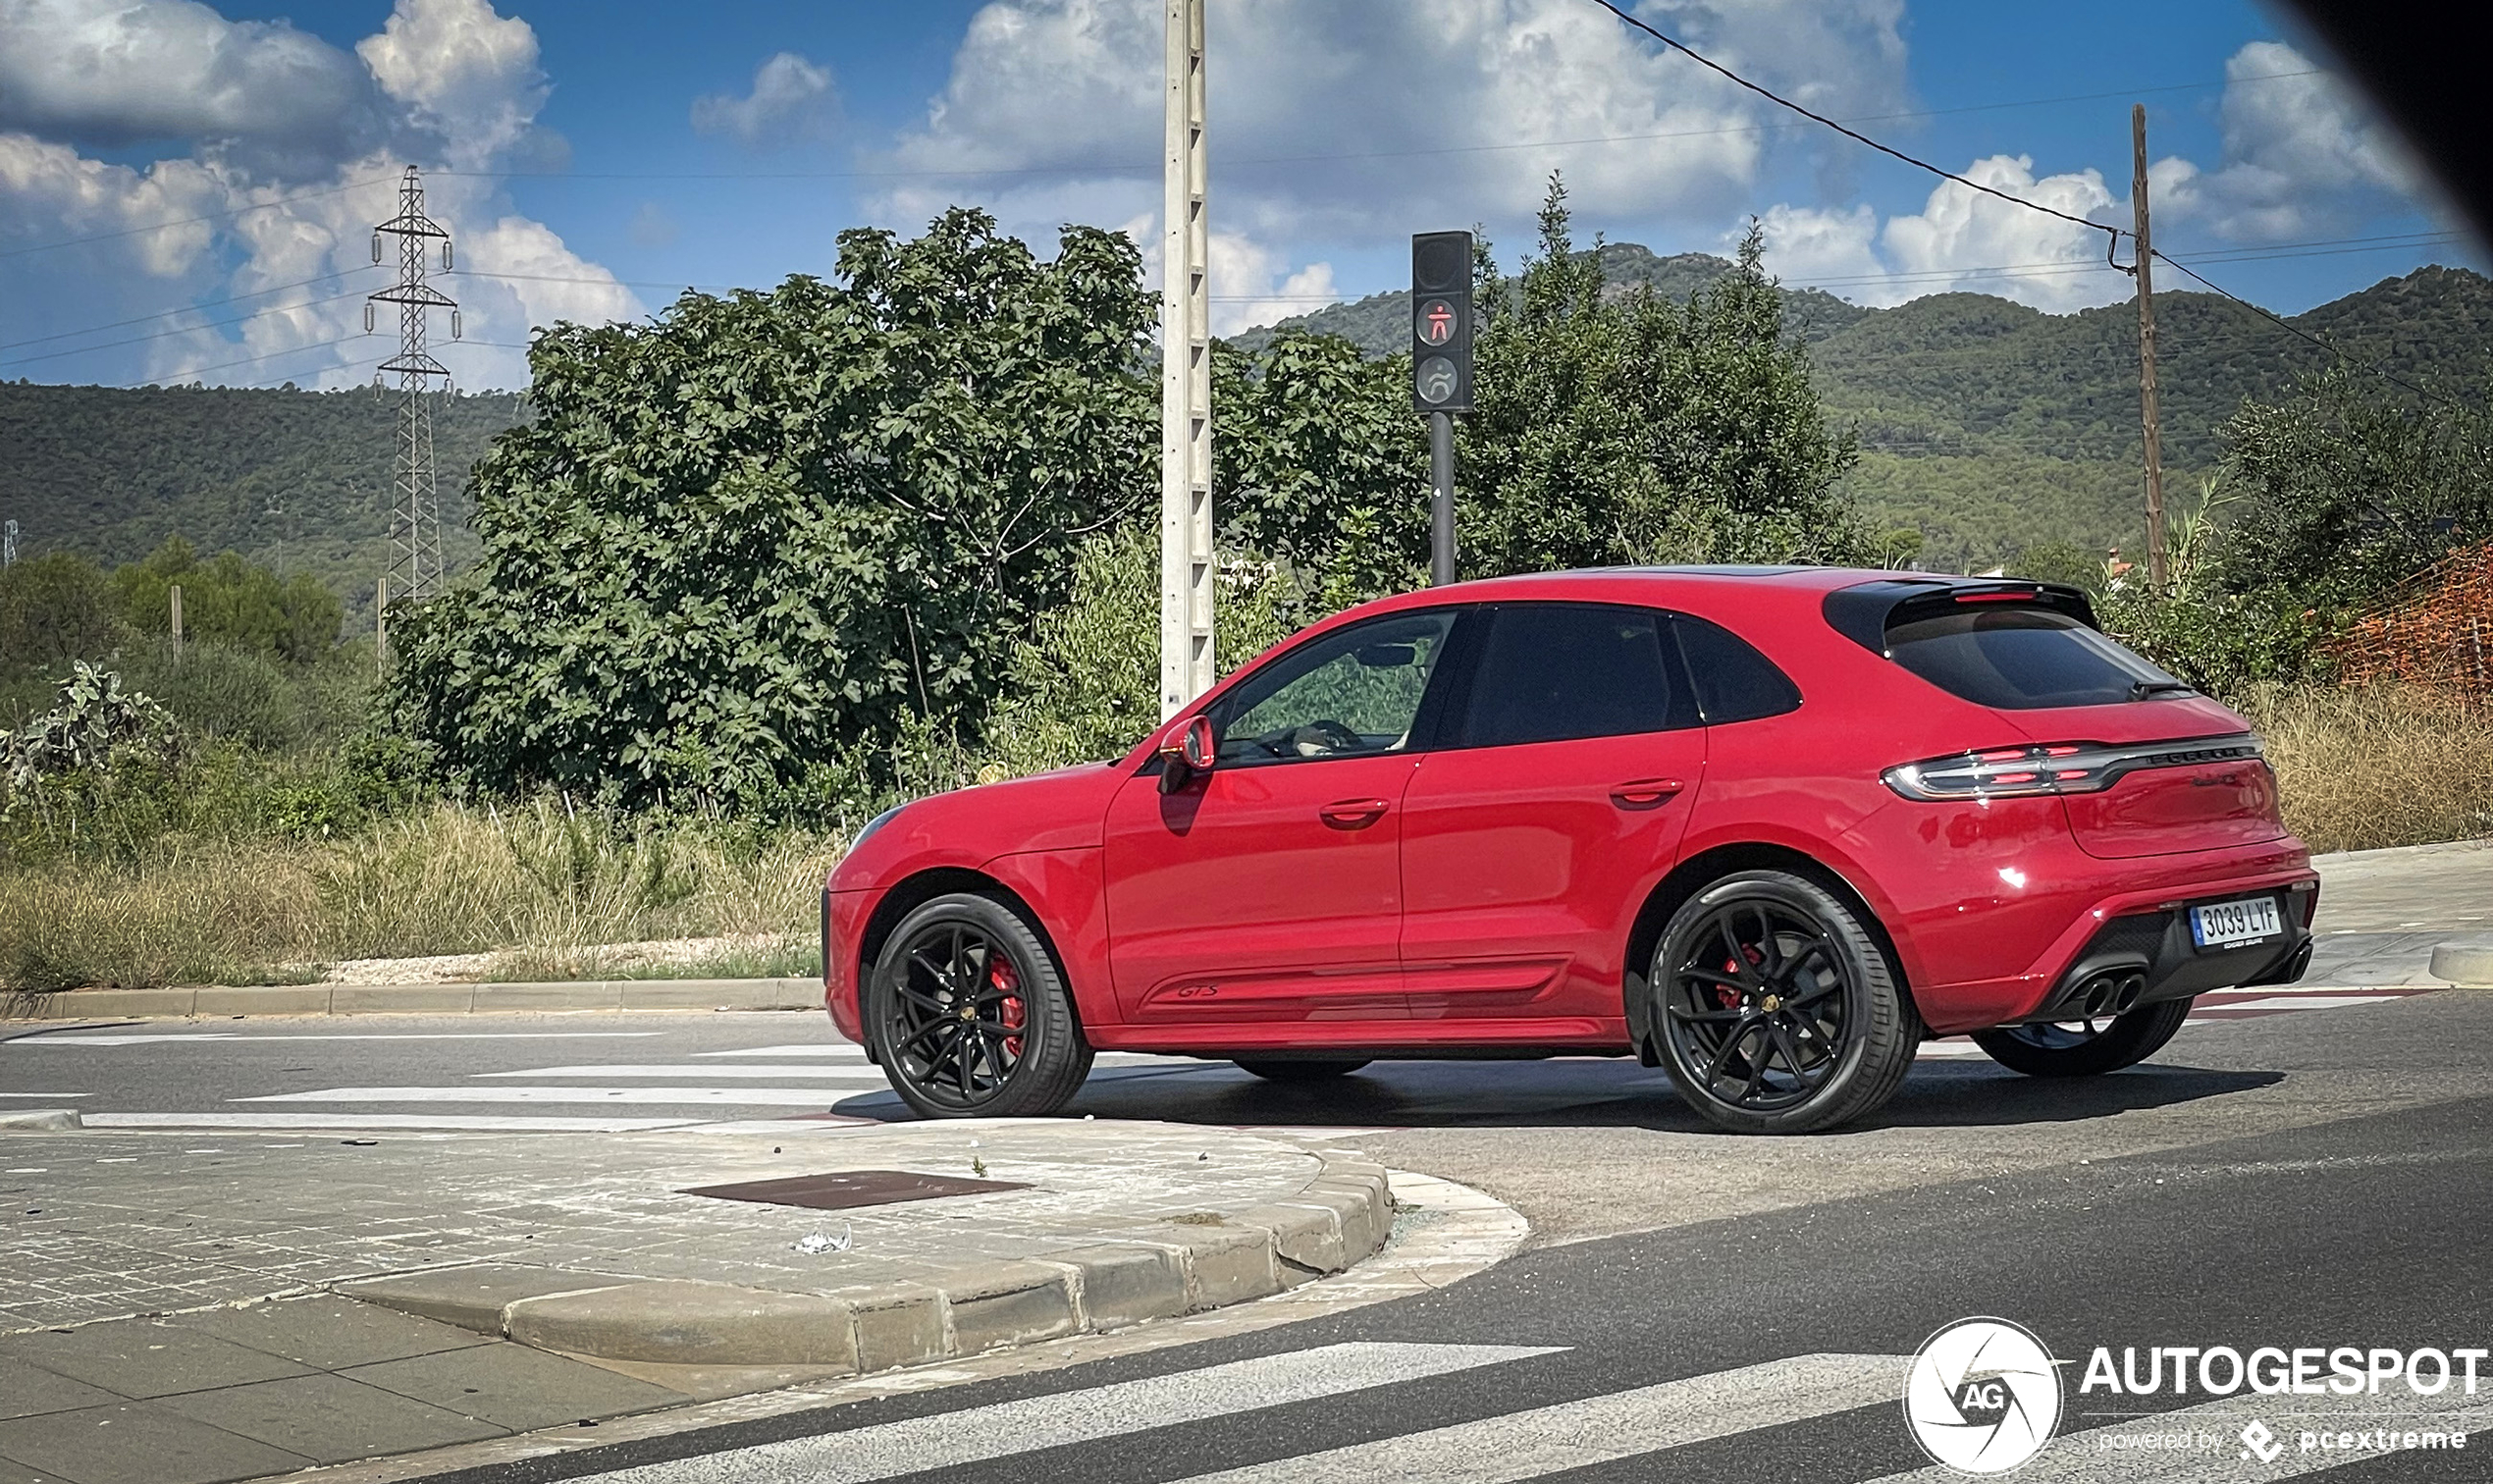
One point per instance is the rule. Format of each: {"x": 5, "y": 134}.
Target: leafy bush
{"x": 737, "y": 547}
{"x": 231, "y": 602}
{"x": 55, "y": 607}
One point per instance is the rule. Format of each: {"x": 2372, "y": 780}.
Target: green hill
{"x": 1990, "y": 426}
{"x": 299, "y": 479}
{"x": 1985, "y": 424}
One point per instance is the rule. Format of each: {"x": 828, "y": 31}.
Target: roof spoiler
{"x": 1864, "y": 612}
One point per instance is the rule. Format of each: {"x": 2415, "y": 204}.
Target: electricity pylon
{"x": 415, "y": 519}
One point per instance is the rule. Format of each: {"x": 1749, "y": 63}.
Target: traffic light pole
{"x": 1441, "y": 505}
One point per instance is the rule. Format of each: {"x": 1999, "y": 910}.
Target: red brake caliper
{"x": 1000, "y": 975}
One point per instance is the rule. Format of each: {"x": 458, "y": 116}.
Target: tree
{"x": 2351, "y": 489}
{"x": 1319, "y": 461}
{"x": 1631, "y": 429}
{"x": 749, "y": 540}
{"x": 228, "y": 600}
{"x": 55, "y": 606}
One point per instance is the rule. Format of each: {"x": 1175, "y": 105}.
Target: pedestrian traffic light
{"x": 1441, "y": 321}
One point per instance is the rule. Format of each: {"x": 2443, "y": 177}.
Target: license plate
{"x": 2222, "y": 925}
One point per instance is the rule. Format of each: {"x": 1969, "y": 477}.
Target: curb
{"x": 417, "y": 999}
{"x": 1341, "y": 1217}
{"x": 41, "y": 1120}
{"x": 2466, "y": 965}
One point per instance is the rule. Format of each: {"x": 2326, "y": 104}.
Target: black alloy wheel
{"x": 969, "y": 1016}
{"x": 2085, "y": 1048}
{"x": 1775, "y": 1010}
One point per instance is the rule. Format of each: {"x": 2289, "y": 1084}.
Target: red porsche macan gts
{"x": 1768, "y": 827}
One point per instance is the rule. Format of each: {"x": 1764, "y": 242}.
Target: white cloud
{"x": 1961, "y": 239}
{"x": 1245, "y": 294}
{"x": 791, "y": 102}
{"x": 117, "y": 73}
{"x": 279, "y": 268}
{"x": 462, "y": 71}
{"x": 2301, "y": 155}
{"x": 1342, "y": 121}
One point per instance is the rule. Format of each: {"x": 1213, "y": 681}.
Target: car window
{"x": 1353, "y": 692}
{"x": 2019, "y": 658}
{"x": 1556, "y": 671}
{"x": 1733, "y": 682}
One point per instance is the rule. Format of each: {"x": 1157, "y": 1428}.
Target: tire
{"x": 2055, "y": 1051}
{"x": 1298, "y": 1071}
{"x": 969, "y": 966}
{"x": 1775, "y": 1008}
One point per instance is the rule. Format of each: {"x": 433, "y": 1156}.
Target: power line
{"x": 212, "y": 216}
{"x": 2112, "y": 239}
{"x": 139, "y": 340}
{"x": 2285, "y": 324}
{"x": 230, "y": 298}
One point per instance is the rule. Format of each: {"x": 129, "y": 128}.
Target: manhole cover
{"x": 842, "y": 1188}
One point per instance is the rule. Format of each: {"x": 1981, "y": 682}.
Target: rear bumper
{"x": 2143, "y": 958}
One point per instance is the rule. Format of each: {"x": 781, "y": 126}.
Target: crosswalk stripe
{"x": 834, "y": 1050}
{"x": 447, "y": 1123}
{"x": 1006, "y": 1429}
{"x": 763, "y": 1097}
{"x": 2300, "y": 1002}
{"x": 1545, "y": 1440}
{"x": 710, "y": 1069}
{"x": 2096, "y": 1457}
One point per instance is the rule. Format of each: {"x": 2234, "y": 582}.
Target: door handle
{"x": 1644, "y": 793}
{"x": 1353, "y": 813}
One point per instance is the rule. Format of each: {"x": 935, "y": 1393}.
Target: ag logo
{"x": 1983, "y": 1396}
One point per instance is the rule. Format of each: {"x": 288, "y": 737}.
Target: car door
{"x": 1573, "y": 754}
{"x": 1269, "y": 888}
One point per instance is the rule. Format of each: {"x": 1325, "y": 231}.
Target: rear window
{"x": 2020, "y": 659}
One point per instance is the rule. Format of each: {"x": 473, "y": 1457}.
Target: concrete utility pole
{"x": 8, "y": 545}
{"x": 176, "y": 596}
{"x": 2147, "y": 351}
{"x": 1186, "y": 378}
{"x": 415, "y": 521}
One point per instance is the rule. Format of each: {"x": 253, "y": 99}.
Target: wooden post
{"x": 177, "y": 623}
{"x": 2146, "y": 254}
{"x": 381, "y": 627}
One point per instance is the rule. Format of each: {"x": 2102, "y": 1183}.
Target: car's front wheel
{"x": 970, "y": 1017}
{"x": 2085, "y": 1049}
{"x": 1776, "y": 1009}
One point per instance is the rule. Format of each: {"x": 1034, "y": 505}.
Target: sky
{"x": 188, "y": 190}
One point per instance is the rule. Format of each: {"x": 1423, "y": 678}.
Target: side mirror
{"x": 1194, "y": 750}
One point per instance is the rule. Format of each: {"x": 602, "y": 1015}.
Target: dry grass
{"x": 540, "y": 881}
{"x": 2375, "y": 765}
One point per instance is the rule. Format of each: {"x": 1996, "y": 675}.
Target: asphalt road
{"x": 1684, "y": 1352}
{"x": 2292, "y": 1179}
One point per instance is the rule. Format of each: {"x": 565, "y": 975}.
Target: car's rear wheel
{"x": 970, "y": 1017}
{"x": 1281, "y": 1071}
{"x": 2085, "y": 1049}
{"x": 1776, "y": 1009}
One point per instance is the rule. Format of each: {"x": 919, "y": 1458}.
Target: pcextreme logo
{"x": 1983, "y": 1396}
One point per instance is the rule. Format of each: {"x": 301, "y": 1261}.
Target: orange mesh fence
{"x": 2436, "y": 632}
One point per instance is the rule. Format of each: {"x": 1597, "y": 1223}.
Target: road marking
{"x": 46, "y": 1094}
{"x": 448, "y": 1123}
{"x": 2093, "y": 1456}
{"x": 873, "y": 1074}
{"x": 762, "y": 1098}
{"x": 1580, "y": 1433}
{"x": 43, "y": 1039}
{"x": 1007, "y": 1429}
{"x": 839, "y": 1050}
{"x": 2268, "y": 1004}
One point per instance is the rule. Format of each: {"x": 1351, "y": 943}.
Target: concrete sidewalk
{"x": 181, "y": 1308}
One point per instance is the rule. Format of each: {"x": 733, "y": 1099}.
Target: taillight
{"x": 2055, "y": 767}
